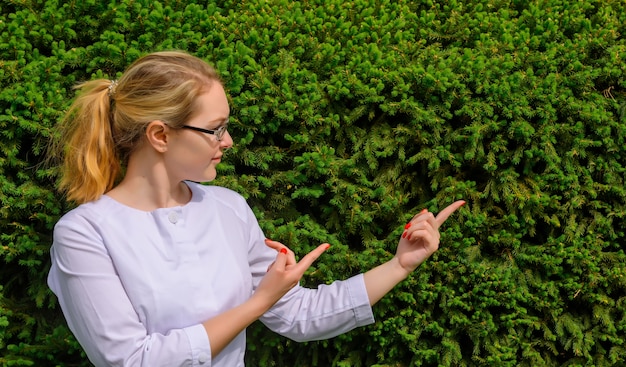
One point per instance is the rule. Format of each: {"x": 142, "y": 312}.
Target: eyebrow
{"x": 222, "y": 122}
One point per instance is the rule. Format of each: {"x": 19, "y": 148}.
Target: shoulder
{"x": 82, "y": 222}
{"x": 88, "y": 212}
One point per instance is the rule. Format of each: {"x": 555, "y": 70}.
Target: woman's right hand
{"x": 285, "y": 272}
{"x": 282, "y": 275}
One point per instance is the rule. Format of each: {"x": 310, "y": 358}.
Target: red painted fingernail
{"x": 424, "y": 211}
{"x": 404, "y": 235}
{"x": 283, "y": 250}
{"x": 327, "y": 247}
{"x": 407, "y": 226}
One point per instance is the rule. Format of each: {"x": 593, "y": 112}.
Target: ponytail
{"x": 90, "y": 163}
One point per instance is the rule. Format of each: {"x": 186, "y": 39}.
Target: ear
{"x": 157, "y": 134}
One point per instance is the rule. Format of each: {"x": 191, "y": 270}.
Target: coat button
{"x": 173, "y": 217}
{"x": 203, "y": 358}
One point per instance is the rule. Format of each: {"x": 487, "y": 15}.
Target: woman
{"x": 154, "y": 269}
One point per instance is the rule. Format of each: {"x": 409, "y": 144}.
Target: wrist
{"x": 398, "y": 270}
{"x": 259, "y": 303}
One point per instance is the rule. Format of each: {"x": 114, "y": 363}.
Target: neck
{"x": 147, "y": 186}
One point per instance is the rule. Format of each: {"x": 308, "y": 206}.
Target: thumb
{"x": 281, "y": 260}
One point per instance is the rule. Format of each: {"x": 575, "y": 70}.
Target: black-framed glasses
{"x": 219, "y": 132}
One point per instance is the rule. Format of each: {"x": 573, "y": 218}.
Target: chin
{"x": 210, "y": 176}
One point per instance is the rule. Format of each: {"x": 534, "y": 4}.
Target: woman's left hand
{"x": 420, "y": 238}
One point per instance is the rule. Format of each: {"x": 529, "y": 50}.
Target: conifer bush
{"x": 348, "y": 117}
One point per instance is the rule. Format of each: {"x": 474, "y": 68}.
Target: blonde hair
{"x": 108, "y": 119}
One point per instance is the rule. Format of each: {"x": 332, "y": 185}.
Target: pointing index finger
{"x": 309, "y": 258}
{"x": 445, "y": 213}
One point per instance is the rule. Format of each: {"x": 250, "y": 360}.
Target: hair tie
{"x": 112, "y": 88}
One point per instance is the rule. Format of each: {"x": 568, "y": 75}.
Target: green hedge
{"x": 349, "y": 116}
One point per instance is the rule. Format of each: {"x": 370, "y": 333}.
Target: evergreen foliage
{"x": 348, "y": 117}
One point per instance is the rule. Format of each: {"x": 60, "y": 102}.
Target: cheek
{"x": 197, "y": 146}
{"x": 201, "y": 154}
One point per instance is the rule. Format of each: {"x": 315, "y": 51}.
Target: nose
{"x": 227, "y": 140}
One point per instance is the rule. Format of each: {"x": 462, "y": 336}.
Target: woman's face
{"x": 193, "y": 155}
